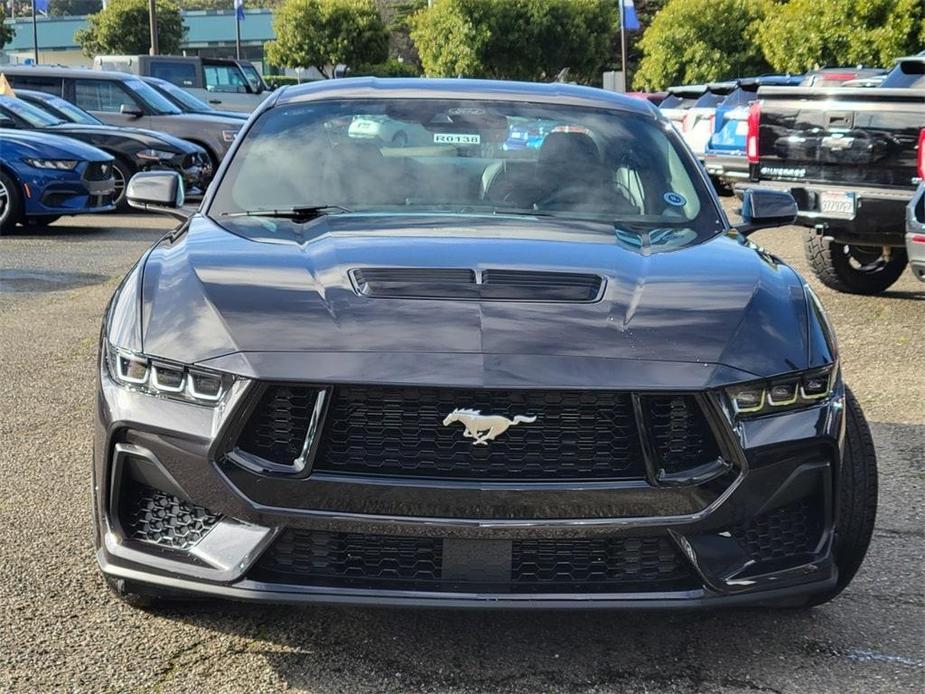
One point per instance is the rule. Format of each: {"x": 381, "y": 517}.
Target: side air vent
{"x": 465, "y": 285}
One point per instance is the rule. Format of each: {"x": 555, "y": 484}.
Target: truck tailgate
{"x": 855, "y": 137}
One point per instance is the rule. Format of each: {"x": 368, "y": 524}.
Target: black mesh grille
{"x": 98, "y": 171}
{"x": 276, "y": 429}
{"x": 150, "y": 515}
{"x": 644, "y": 561}
{"x": 394, "y": 431}
{"x": 680, "y": 433}
{"x": 783, "y": 534}
{"x": 400, "y": 431}
{"x": 398, "y": 563}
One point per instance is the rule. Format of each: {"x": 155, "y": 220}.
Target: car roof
{"x": 490, "y": 90}
{"x": 52, "y": 71}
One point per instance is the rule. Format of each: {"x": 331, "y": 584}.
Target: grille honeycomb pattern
{"x": 680, "y": 433}
{"x": 651, "y": 562}
{"x": 304, "y": 557}
{"x": 276, "y": 429}
{"x": 347, "y": 559}
{"x": 400, "y": 432}
{"x": 785, "y": 533}
{"x": 150, "y": 515}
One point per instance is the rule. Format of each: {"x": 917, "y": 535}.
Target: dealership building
{"x": 208, "y": 33}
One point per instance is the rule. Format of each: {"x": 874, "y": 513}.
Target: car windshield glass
{"x": 423, "y": 156}
{"x": 253, "y": 77}
{"x": 184, "y": 98}
{"x": 35, "y": 117}
{"x": 907, "y": 74}
{"x": 709, "y": 100}
{"x": 71, "y": 112}
{"x": 158, "y": 103}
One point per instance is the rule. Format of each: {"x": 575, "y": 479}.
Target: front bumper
{"x": 700, "y": 537}
{"x": 195, "y": 169}
{"x": 88, "y": 190}
{"x": 876, "y": 221}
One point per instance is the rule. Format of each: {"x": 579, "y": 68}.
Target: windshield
{"x": 70, "y": 111}
{"x": 35, "y": 117}
{"x": 907, "y": 74}
{"x": 417, "y": 156}
{"x": 158, "y": 103}
{"x": 253, "y": 77}
{"x": 185, "y": 100}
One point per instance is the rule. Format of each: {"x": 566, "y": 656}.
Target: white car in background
{"x": 679, "y": 100}
{"x": 391, "y": 132}
{"x": 699, "y": 119}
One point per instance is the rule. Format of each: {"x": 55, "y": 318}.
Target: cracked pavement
{"x": 62, "y": 631}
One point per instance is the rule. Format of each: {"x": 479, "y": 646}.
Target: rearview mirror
{"x": 157, "y": 191}
{"x": 763, "y": 208}
{"x": 130, "y": 110}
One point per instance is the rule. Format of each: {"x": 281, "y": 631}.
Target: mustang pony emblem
{"x": 484, "y": 428}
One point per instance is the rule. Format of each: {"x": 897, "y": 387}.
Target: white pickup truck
{"x": 227, "y": 85}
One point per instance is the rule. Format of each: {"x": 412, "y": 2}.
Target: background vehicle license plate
{"x": 841, "y": 205}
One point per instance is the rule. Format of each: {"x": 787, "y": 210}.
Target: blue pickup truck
{"x": 724, "y": 155}
{"x": 43, "y": 177}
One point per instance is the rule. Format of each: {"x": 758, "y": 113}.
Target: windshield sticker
{"x": 675, "y": 199}
{"x": 456, "y": 139}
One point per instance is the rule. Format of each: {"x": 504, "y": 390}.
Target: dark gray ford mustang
{"x": 472, "y": 344}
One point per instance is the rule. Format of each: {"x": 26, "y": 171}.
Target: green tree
{"x": 515, "y": 39}
{"x": 700, "y": 41}
{"x": 123, "y": 28}
{"x": 325, "y": 33}
{"x": 807, "y": 33}
{"x": 7, "y": 31}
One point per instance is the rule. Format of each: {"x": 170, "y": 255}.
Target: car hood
{"x": 146, "y": 138}
{"x": 44, "y": 146}
{"x": 281, "y": 305}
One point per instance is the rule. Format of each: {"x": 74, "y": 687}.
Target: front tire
{"x": 11, "y": 204}
{"x": 121, "y": 173}
{"x": 853, "y": 269}
{"x": 856, "y": 499}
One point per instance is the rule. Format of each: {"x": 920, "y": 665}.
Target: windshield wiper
{"x": 304, "y": 213}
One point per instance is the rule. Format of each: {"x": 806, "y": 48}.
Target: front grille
{"x": 385, "y": 562}
{"x": 400, "y": 432}
{"x": 150, "y": 515}
{"x": 681, "y": 434}
{"x": 783, "y": 534}
{"x": 98, "y": 171}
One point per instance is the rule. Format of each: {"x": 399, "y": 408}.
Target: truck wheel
{"x": 856, "y": 494}
{"x": 11, "y": 204}
{"x": 853, "y": 269}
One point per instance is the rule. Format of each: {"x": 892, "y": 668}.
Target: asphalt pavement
{"x": 60, "y": 630}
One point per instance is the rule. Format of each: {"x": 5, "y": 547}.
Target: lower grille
{"x": 384, "y": 562}
{"x": 150, "y": 515}
{"x": 781, "y": 535}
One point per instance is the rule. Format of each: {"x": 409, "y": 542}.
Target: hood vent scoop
{"x": 467, "y": 285}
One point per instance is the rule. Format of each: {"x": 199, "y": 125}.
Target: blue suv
{"x": 43, "y": 177}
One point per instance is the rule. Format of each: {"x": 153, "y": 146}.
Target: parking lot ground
{"x": 60, "y": 630}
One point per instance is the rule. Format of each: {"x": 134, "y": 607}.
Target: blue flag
{"x": 238, "y": 9}
{"x": 41, "y": 6}
{"x": 630, "y": 20}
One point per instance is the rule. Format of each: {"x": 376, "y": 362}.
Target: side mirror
{"x": 129, "y": 110}
{"x": 763, "y": 208}
{"x": 7, "y": 123}
{"x": 157, "y": 191}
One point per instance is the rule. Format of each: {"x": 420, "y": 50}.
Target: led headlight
{"x": 784, "y": 393}
{"x": 54, "y": 164}
{"x": 229, "y": 135}
{"x": 156, "y": 154}
{"x": 169, "y": 379}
